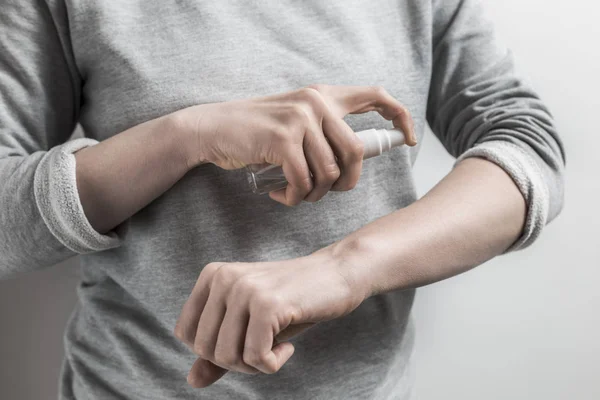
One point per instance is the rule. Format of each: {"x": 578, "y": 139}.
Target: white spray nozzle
{"x": 378, "y": 141}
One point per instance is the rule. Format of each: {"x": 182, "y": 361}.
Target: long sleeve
{"x": 480, "y": 107}
{"x": 41, "y": 218}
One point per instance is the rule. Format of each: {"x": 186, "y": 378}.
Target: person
{"x": 185, "y": 273}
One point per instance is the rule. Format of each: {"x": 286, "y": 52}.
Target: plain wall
{"x": 522, "y": 326}
{"x": 527, "y": 325}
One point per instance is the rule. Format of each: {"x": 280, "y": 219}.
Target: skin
{"x": 240, "y": 316}
{"x": 303, "y": 131}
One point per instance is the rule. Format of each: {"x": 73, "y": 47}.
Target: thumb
{"x": 204, "y": 373}
{"x": 280, "y": 354}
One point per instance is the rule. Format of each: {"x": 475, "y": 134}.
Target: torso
{"x": 143, "y": 59}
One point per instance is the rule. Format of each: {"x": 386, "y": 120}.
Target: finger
{"x": 360, "y": 99}
{"x": 209, "y": 325}
{"x": 259, "y": 351}
{"x": 321, "y": 161}
{"x": 348, "y": 149}
{"x": 296, "y": 171}
{"x": 230, "y": 343}
{"x": 187, "y": 323}
{"x": 278, "y": 195}
{"x": 204, "y": 373}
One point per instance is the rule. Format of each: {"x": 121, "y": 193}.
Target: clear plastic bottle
{"x": 265, "y": 178}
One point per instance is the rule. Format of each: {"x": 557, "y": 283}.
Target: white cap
{"x": 377, "y": 141}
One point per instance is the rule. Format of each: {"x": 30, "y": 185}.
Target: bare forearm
{"x": 475, "y": 213}
{"x": 119, "y": 176}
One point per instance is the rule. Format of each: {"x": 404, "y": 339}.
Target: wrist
{"x": 354, "y": 256}
{"x": 192, "y": 128}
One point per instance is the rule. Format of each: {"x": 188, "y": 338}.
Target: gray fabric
{"x": 55, "y": 190}
{"x": 113, "y": 65}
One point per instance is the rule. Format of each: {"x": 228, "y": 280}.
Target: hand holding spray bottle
{"x": 265, "y": 178}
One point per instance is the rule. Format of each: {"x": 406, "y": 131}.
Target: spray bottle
{"x": 265, "y": 178}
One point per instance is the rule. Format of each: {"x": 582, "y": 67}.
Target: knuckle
{"x": 291, "y": 202}
{"x": 252, "y": 357}
{"x": 210, "y": 269}
{"x": 179, "y": 332}
{"x": 331, "y": 173}
{"x": 379, "y": 90}
{"x": 319, "y": 87}
{"x": 270, "y": 369}
{"x": 354, "y": 152}
{"x": 225, "y": 358}
{"x": 223, "y": 276}
{"x": 279, "y": 136}
{"x": 312, "y": 97}
{"x": 202, "y": 350}
{"x": 357, "y": 150}
{"x": 316, "y": 194}
{"x": 259, "y": 361}
{"x": 306, "y": 185}
{"x": 309, "y": 92}
{"x": 300, "y": 114}
{"x": 401, "y": 110}
{"x": 246, "y": 285}
{"x": 266, "y": 302}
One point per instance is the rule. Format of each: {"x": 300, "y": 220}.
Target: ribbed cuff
{"x": 526, "y": 174}
{"x": 57, "y": 198}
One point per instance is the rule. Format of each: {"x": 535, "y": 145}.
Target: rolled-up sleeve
{"x": 41, "y": 217}
{"x": 56, "y": 196}
{"x": 479, "y": 106}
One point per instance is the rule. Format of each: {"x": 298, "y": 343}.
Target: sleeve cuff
{"x": 57, "y": 198}
{"x": 526, "y": 174}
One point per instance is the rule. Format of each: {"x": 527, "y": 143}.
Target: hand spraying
{"x": 265, "y": 178}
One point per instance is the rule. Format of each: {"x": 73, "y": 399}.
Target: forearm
{"x": 475, "y": 213}
{"x": 121, "y": 175}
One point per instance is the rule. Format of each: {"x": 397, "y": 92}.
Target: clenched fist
{"x": 239, "y": 315}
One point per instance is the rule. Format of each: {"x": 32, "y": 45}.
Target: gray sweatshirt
{"x": 113, "y": 65}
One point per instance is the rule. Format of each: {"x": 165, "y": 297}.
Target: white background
{"x": 523, "y": 326}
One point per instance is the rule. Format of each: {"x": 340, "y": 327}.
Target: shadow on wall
{"x": 34, "y": 309}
